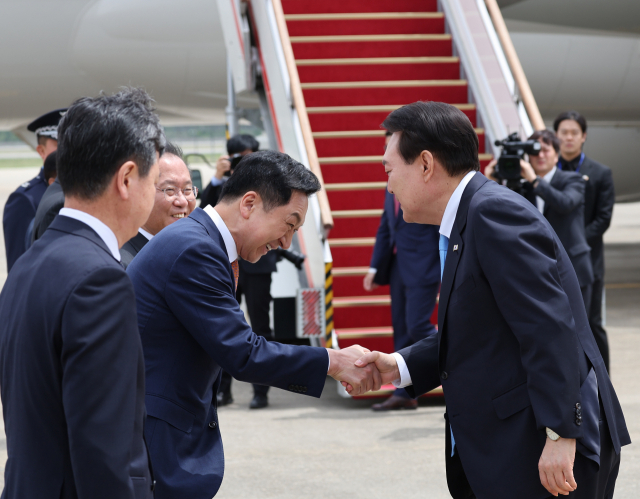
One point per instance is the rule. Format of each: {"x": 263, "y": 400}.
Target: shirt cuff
{"x": 215, "y": 181}
{"x": 329, "y": 358}
{"x": 405, "y": 377}
{"x": 372, "y": 270}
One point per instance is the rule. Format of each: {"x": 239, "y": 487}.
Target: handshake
{"x": 361, "y": 370}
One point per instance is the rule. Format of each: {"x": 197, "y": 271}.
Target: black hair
{"x": 437, "y": 127}
{"x": 240, "y": 143}
{"x": 98, "y": 134}
{"x": 548, "y": 137}
{"x": 176, "y": 150}
{"x": 273, "y": 175}
{"x": 570, "y": 115}
{"x": 50, "y": 168}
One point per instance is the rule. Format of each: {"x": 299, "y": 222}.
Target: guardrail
{"x": 526, "y": 95}
{"x": 301, "y": 109}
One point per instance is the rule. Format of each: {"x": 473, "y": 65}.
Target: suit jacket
{"x": 50, "y": 205}
{"x": 18, "y": 213}
{"x": 416, "y": 244}
{"x": 72, "y": 372}
{"x": 514, "y": 352}
{"x": 210, "y": 195}
{"x": 131, "y": 248}
{"x": 192, "y": 326}
{"x": 598, "y": 209}
{"x": 564, "y": 209}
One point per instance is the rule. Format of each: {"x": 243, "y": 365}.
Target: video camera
{"x": 513, "y": 150}
{"x": 293, "y": 256}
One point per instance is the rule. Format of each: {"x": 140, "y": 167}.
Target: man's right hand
{"x": 490, "y": 169}
{"x": 222, "y": 165}
{"x": 384, "y": 362}
{"x": 342, "y": 367}
{"x": 368, "y": 283}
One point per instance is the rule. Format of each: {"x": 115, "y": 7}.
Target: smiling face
{"x": 173, "y": 174}
{"x": 267, "y": 230}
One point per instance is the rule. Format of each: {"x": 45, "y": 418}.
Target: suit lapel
{"x": 456, "y": 246}
{"x": 139, "y": 242}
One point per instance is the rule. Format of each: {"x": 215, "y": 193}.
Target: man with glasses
{"x": 175, "y": 199}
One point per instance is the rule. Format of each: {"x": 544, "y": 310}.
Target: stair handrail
{"x": 526, "y": 95}
{"x": 301, "y": 109}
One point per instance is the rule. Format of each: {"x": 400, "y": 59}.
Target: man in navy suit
{"x": 531, "y": 411}
{"x": 191, "y": 324}
{"x": 72, "y": 368}
{"x": 405, "y": 256}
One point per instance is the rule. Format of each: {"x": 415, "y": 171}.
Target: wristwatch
{"x": 552, "y": 434}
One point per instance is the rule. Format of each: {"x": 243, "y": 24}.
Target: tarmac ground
{"x": 334, "y": 447}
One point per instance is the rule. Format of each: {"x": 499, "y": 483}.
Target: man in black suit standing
{"x": 559, "y": 196}
{"x": 531, "y": 411}
{"x": 72, "y": 368}
{"x": 175, "y": 199}
{"x": 571, "y": 128}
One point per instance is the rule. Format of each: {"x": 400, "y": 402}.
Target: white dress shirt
{"x": 546, "y": 178}
{"x": 146, "y": 234}
{"x": 99, "y": 227}
{"x": 448, "y": 219}
{"x": 232, "y": 250}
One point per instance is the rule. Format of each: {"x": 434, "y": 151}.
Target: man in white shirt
{"x": 72, "y": 368}
{"x": 531, "y": 411}
{"x": 175, "y": 199}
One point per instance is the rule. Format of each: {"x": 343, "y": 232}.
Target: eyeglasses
{"x": 171, "y": 193}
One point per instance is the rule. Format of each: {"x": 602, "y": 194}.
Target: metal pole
{"x": 231, "y": 110}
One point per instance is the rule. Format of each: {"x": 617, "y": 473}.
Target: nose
{"x": 285, "y": 241}
{"x": 180, "y": 199}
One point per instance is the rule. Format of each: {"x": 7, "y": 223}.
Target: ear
{"x": 427, "y": 163}
{"x": 40, "y": 150}
{"x": 249, "y": 203}
{"x": 126, "y": 175}
{"x": 584, "y": 137}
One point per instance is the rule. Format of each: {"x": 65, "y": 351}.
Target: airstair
{"x": 328, "y": 73}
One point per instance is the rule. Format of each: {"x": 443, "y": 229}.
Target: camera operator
{"x": 559, "y": 195}
{"x": 238, "y": 146}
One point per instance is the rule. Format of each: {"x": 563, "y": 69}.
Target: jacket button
{"x": 153, "y": 485}
{"x": 444, "y": 375}
{"x": 578, "y": 412}
{"x": 578, "y": 406}
{"x": 213, "y": 424}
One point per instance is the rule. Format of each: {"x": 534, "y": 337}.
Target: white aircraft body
{"x": 577, "y": 54}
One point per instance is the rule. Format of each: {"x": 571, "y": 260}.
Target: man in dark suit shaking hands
{"x": 531, "y": 411}
{"x": 192, "y": 326}
{"x": 71, "y": 366}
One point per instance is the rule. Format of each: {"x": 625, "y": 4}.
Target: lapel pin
{"x": 585, "y": 178}
{"x": 455, "y": 247}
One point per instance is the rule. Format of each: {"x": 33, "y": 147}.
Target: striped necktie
{"x": 236, "y": 271}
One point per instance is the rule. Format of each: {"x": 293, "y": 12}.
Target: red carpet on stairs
{"x": 359, "y": 60}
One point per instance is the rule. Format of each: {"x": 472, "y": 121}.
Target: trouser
{"x": 256, "y": 289}
{"x": 411, "y": 310}
{"x": 595, "y": 320}
{"x": 594, "y": 482}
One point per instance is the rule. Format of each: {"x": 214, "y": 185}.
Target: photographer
{"x": 559, "y": 195}
{"x": 238, "y": 146}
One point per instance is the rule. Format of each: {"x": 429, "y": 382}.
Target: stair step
{"x": 344, "y": 286}
{"x": 356, "y": 213}
{"x": 386, "y": 92}
{"x": 349, "y": 271}
{"x": 361, "y": 301}
{"x": 357, "y": 200}
{"x": 351, "y": 242}
{"x": 359, "y": 46}
{"x": 357, "y": 6}
{"x": 365, "y": 23}
{"x": 360, "y": 142}
{"x": 375, "y": 160}
{"x": 355, "y": 227}
{"x": 373, "y": 338}
{"x": 355, "y": 186}
{"x": 324, "y": 119}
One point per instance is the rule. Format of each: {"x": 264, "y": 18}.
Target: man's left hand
{"x": 556, "y": 466}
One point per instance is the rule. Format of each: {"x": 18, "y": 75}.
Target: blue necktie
{"x": 443, "y": 246}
